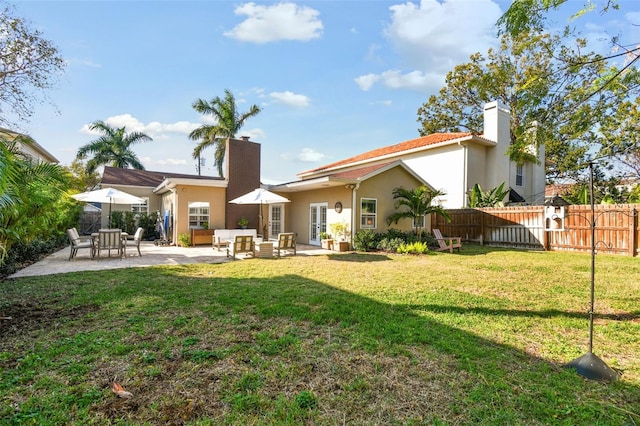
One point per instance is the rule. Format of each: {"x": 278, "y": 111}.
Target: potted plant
{"x": 341, "y": 231}
{"x": 243, "y": 222}
{"x": 326, "y": 241}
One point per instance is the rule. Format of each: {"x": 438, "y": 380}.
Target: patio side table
{"x": 263, "y": 249}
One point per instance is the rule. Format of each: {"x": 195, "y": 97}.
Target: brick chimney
{"x": 243, "y": 175}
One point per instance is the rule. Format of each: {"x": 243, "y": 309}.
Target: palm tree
{"x": 418, "y": 204}
{"x": 228, "y": 122}
{"x": 113, "y": 148}
{"x": 33, "y": 203}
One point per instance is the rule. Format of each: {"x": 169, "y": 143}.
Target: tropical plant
{"x": 364, "y": 240}
{"x": 417, "y": 247}
{"x": 33, "y": 204}
{"x": 340, "y": 230}
{"x": 243, "y": 222}
{"x": 184, "y": 240}
{"x": 417, "y": 203}
{"x": 494, "y": 197}
{"x": 113, "y": 148}
{"x": 228, "y": 122}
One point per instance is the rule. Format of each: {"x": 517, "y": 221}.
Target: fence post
{"x": 633, "y": 225}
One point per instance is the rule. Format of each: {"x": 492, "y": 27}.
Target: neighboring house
{"x": 455, "y": 162}
{"x": 188, "y": 201}
{"x": 28, "y": 146}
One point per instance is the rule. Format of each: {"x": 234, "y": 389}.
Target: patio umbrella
{"x": 260, "y": 196}
{"x": 108, "y": 195}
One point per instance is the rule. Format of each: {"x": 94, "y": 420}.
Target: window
{"x": 519, "y": 175}
{"x": 418, "y": 222}
{"x": 138, "y": 209}
{"x": 368, "y": 209}
{"x": 198, "y": 214}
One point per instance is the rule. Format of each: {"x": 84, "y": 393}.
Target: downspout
{"x": 465, "y": 177}
{"x": 353, "y": 209}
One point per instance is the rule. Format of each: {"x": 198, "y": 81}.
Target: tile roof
{"x": 359, "y": 173}
{"x": 133, "y": 177}
{"x": 423, "y": 141}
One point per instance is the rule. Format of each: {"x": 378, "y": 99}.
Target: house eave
{"x": 170, "y": 184}
{"x": 312, "y": 184}
{"x": 456, "y": 141}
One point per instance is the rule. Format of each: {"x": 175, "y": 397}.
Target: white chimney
{"x": 497, "y": 123}
{"x": 497, "y": 127}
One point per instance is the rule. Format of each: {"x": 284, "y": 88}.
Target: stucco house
{"x": 356, "y": 191}
{"x": 455, "y": 162}
{"x": 32, "y": 149}
{"x": 187, "y": 201}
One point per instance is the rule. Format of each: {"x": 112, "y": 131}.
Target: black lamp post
{"x": 589, "y": 365}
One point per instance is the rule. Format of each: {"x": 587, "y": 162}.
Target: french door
{"x": 317, "y": 222}
{"x": 276, "y": 220}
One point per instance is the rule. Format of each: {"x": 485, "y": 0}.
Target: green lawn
{"x": 478, "y": 337}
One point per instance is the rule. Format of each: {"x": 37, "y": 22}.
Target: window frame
{"x": 366, "y": 216}
{"x": 197, "y": 218}
{"x": 519, "y": 175}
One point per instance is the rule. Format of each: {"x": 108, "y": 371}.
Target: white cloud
{"x": 366, "y": 82}
{"x": 438, "y": 35}
{"x": 431, "y": 37}
{"x": 154, "y": 129}
{"x": 414, "y": 80}
{"x": 290, "y": 98}
{"x": 310, "y": 155}
{"x": 281, "y": 21}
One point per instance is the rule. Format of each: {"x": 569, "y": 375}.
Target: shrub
{"x": 364, "y": 240}
{"x": 416, "y": 247}
{"x": 184, "y": 240}
{"x": 390, "y": 244}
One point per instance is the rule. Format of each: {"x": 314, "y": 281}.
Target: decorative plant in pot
{"x": 243, "y": 222}
{"x": 326, "y": 241}
{"x": 341, "y": 231}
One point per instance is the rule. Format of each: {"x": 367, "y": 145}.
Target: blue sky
{"x": 334, "y": 78}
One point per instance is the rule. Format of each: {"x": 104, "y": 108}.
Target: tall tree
{"x": 113, "y": 148}
{"x": 415, "y": 204}
{"x": 552, "y": 102}
{"x": 28, "y": 64}
{"x": 228, "y": 122}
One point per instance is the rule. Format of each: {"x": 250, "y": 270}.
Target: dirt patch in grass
{"x": 21, "y": 318}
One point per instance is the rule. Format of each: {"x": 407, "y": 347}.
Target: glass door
{"x": 276, "y": 220}
{"x": 317, "y": 222}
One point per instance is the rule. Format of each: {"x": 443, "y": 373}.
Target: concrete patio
{"x": 59, "y": 263}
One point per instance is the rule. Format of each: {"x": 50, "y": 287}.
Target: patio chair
{"x": 78, "y": 243}
{"x": 137, "y": 237}
{"x": 286, "y": 243}
{"x": 240, "y": 244}
{"x": 108, "y": 240}
{"x": 447, "y": 243}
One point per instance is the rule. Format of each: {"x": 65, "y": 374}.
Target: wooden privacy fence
{"x": 616, "y": 228}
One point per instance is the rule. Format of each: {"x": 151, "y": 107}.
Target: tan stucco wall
{"x": 185, "y": 194}
{"x": 297, "y": 211}
{"x": 381, "y": 188}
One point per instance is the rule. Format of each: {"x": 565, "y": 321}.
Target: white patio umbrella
{"x": 260, "y": 196}
{"x": 108, "y": 195}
